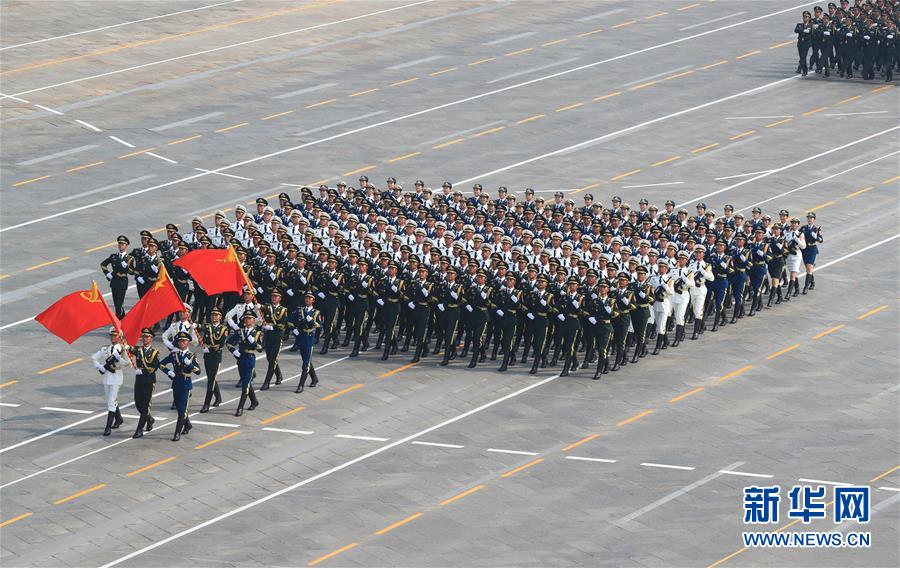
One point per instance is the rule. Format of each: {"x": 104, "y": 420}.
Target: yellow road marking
{"x": 405, "y": 81}
{"x": 666, "y": 161}
{"x": 480, "y": 61}
{"x": 872, "y": 312}
{"x": 277, "y": 114}
{"x": 183, "y": 140}
{"x": 282, "y": 415}
{"x": 445, "y": 144}
{"x": 884, "y": 88}
{"x": 520, "y": 51}
{"x": 782, "y": 44}
{"x": 319, "y": 182}
{"x": 512, "y": 472}
{"x": 623, "y": 24}
{"x": 636, "y": 417}
{"x": 733, "y": 374}
{"x": 404, "y": 157}
{"x": 84, "y": 167}
{"x": 847, "y": 100}
{"x": 15, "y": 519}
{"x": 139, "y": 152}
{"x": 783, "y": 121}
{"x": 398, "y": 524}
{"x": 656, "y": 15}
{"x": 585, "y": 188}
{"x": 748, "y": 54}
{"x": 716, "y": 64}
{"x": 590, "y": 33}
{"x": 815, "y": 111}
{"x": 48, "y": 263}
{"x": 151, "y": 466}
{"x": 531, "y": 119}
{"x": 8, "y": 384}
{"x": 704, "y": 148}
{"x": 609, "y": 96}
{"x": 360, "y": 170}
{"x": 4, "y": 276}
{"x": 682, "y": 74}
{"x": 626, "y": 174}
{"x": 688, "y": 7}
{"x": 783, "y": 351}
{"x": 822, "y": 206}
{"x": 584, "y": 440}
{"x": 397, "y": 370}
{"x": 366, "y": 92}
{"x": 442, "y": 71}
{"x": 333, "y": 554}
{"x": 895, "y": 178}
{"x": 742, "y": 134}
{"x": 79, "y": 494}
{"x": 829, "y": 331}
{"x": 32, "y": 180}
{"x": 642, "y": 86}
{"x": 342, "y": 392}
{"x": 569, "y": 107}
{"x": 459, "y": 496}
{"x": 488, "y": 131}
{"x": 217, "y": 440}
{"x": 232, "y": 127}
{"x": 554, "y": 42}
{"x": 60, "y": 366}
{"x": 95, "y": 249}
{"x": 729, "y": 557}
{"x": 321, "y": 103}
{"x": 874, "y": 479}
{"x": 687, "y": 394}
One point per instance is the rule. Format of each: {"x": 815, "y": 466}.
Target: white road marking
{"x": 2, "y": 96}
{"x": 328, "y": 472}
{"x": 724, "y": 148}
{"x": 729, "y": 471}
{"x": 340, "y": 123}
{"x": 514, "y": 452}
{"x": 163, "y": 158}
{"x": 599, "y": 460}
{"x": 10, "y": 404}
{"x": 509, "y": 38}
{"x": 448, "y": 105}
{"x": 116, "y": 25}
{"x": 667, "y": 466}
{"x": 735, "y": 15}
{"x": 365, "y": 438}
{"x": 306, "y": 90}
{"x": 439, "y": 445}
{"x": 287, "y": 431}
{"x": 597, "y": 16}
{"x": 74, "y": 410}
{"x": 100, "y": 189}
{"x": 226, "y": 175}
{"x": 186, "y": 121}
{"x": 889, "y": 489}
{"x": 804, "y": 480}
{"x": 49, "y": 157}
{"x": 230, "y": 46}
{"x": 758, "y": 117}
{"x": 122, "y": 142}
{"x": 852, "y": 254}
{"x": 406, "y": 64}
{"x": 88, "y": 125}
{"x": 857, "y": 113}
{"x": 742, "y": 175}
{"x": 658, "y": 75}
{"x": 222, "y": 424}
{"x": 652, "y": 184}
{"x": 532, "y": 70}
{"x": 459, "y": 133}
{"x": 48, "y": 109}
{"x": 44, "y": 285}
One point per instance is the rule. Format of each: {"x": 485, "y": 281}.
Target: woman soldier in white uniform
{"x": 701, "y": 274}
{"x": 663, "y": 285}
{"x": 108, "y": 360}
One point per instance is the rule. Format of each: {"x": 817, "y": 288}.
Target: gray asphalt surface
{"x": 681, "y": 100}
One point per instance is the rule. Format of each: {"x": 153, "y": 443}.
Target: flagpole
{"x": 118, "y": 328}
{"x": 250, "y": 286}
{"x": 165, "y": 273}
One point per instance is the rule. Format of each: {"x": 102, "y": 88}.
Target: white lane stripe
{"x": 514, "y": 452}
{"x": 745, "y": 473}
{"x": 447, "y": 105}
{"x": 818, "y": 181}
{"x": 163, "y": 158}
{"x": 857, "y": 113}
{"x": 852, "y": 254}
{"x": 439, "y": 445}
{"x": 652, "y": 184}
{"x": 171, "y": 125}
{"x": 532, "y": 70}
{"x": 48, "y": 157}
{"x": 10, "y": 404}
{"x": 88, "y": 125}
{"x": 42, "y": 286}
{"x": 328, "y": 472}
{"x": 122, "y": 142}
{"x": 622, "y": 131}
{"x": 223, "y": 47}
{"x": 306, "y": 90}
{"x": 366, "y": 438}
{"x": 509, "y": 38}
{"x": 686, "y": 28}
{"x": 889, "y": 489}
{"x": 839, "y": 483}
{"x": 758, "y": 117}
{"x": 74, "y": 410}
{"x": 791, "y": 165}
{"x": 460, "y": 133}
{"x": 605, "y": 14}
{"x": 101, "y": 189}
{"x": 340, "y": 123}
{"x": 667, "y": 466}
{"x": 742, "y": 175}
{"x": 2, "y": 96}
{"x": 222, "y": 424}
{"x": 116, "y": 25}
{"x": 658, "y": 75}
{"x": 48, "y": 109}
{"x": 599, "y": 460}
{"x": 287, "y": 431}
{"x": 225, "y": 175}
{"x": 406, "y": 64}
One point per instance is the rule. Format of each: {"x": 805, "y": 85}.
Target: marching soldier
{"x": 420, "y": 301}
{"x": 116, "y": 268}
{"x": 682, "y": 279}
{"x": 478, "y": 298}
{"x": 184, "y": 364}
{"x": 390, "y": 294}
{"x": 306, "y": 321}
{"x": 329, "y": 286}
{"x": 539, "y": 306}
{"x": 740, "y": 263}
{"x": 721, "y": 267}
{"x": 759, "y": 259}
{"x": 702, "y": 273}
{"x": 663, "y": 286}
{"x": 603, "y": 311}
{"x": 275, "y": 321}
{"x": 108, "y": 361}
{"x": 812, "y": 236}
{"x": 360, "y": 286}
{"x": 569, "y": 307}
{"x": 245, "y": 343}
{"x": 450, "y": 295}
{"x": 640, "y": 315}
{"x": 214, "y": 335}
{"x": 146, "y": 358}
{"x": 507, "y": 303}
{"x": 624, "y": 303}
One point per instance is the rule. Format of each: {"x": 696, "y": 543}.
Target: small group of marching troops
{"x": 452, "y": 276}
{"x": 863, "y": 37}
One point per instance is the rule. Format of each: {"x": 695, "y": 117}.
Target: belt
{"x": 643, "y": 305}
{"x": 741, "y": 269}
{"x": 389, "y": 300}
{"x": 335, "y": 294}
{"x": 572, "y": 316}
{"x": 539, "y": 314}
{"x": 604, "y": 322}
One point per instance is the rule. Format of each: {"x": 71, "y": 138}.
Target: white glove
{"x": 236, "y": 352}
{"x": 608, "y": 309}
{"x": 440, "y": 307}
{"x": 561, "y": 317}
{"x": 411, "y": 305}
{"x": 251, "y": 339}
{"x": 743, "y": 258}
{"x": 365, "y": 284}
{"x": 232, "y": 325}
{"x": 124, "y": 264}
{"x": 190, "y": 284}
{"x": 272, "y": 276}
{"x": 379, "y": 301}
{"x": 102, "y": 371}
{"x": 154, "y": 267}
{"x": 424, "y": 291}
{"x": 760, "y": 253}
{"x": 296, "y": 332}
{"x": 140, "y": 279}
{"x": 723, "y": 264}
{"x": 593, "y": 320}
{"x": 468, "y": 307}
{"x": 259, "y": 290}
{"x": 268, "y": 327}
{"x": 206, "y": 349}
{"x": 484, "y": 295}
{"x": 351, "y": 297}
{"x": 576, "y": 304}
{"x": 393, "y": 288}
{"x": 321, "y": 295}
{"x": 454, "y": 295}
{"x": 138, "y": 372}
{"x": 169, "y": 345}
{"x": 303, "y": 279}
{"x": 530, "y": 316}
{"x": 500, "y": 313}
{"x": 335, "y": 281}
{"x": 290, "y": 292}
{"x": 171, "y": 374}
{"x": 514, "y": 299}
{"x": 109, "y": 276}
{"x": 642, "y": 295}
{"x": 543, "y": 302}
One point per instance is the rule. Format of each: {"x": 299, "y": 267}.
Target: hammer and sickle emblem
{"x": 92, "y": 296}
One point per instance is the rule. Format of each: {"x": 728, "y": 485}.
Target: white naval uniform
{"x": 698, "y": 285}
{"x": 680, "y": 301}
{"x": 662, "y": 309}
{"x": 795, "y": 261}
{"x": 168, "y": 336}
{"x": 112, "y": 380}
{"x": 234, "y": 315}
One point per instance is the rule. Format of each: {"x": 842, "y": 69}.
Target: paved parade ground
{"x": 123, "y": 116}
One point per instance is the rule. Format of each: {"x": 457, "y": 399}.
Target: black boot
{"x": 313, "y": 376}
{"x": 110, "y": 416}
{"x": 302, "y": 384}
{"x": 665, "y": 344}
{"x": 601, "y": 363}
{"x": 251, "y": 394}
{"x": 150, "y": 422}
{"x": 139, "y": 432}
{"x": 659, "y": 340}
{"x": 324, "y": 349}
{"x": 474, "y": 360}
{"x": 187, "y": 426}
{"x": 278, "y": 376}
{"x": 240, "y": 406}
{"x": 406, "y": 343}
{"x": 265, "y": 385}
{"x": 718, "y": 315}
{"x": 771, "y": 297}
{"x": 179, "y": 424}
{"x": 779, "y": 297}
{"x": 587, "y": 357}
{"x": 752, "y": 307}
{"x": 812, "y": 281}
{"x": 534, "y": 366}
{"x": 505, "y": 364}
{"x": 448, "y": 352}
{"x": 679, "y": 330}
{"x": 617, "y": 363}
{"x": 637, "y": 352}
{"x": 806, "y": 283}
{"x": 567, "y": 364}
{"x": 119, "y": 420}
{"x": 696, "y": 333}
{"x": 494, "y": 352}
{"x": 419, "y": 348}
{"x": 736, "y": 312}
{"x": 387, "y": 351}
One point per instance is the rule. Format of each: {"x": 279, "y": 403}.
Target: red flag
{"x": 76, "y": 314}
{"x": 159, "y": 301}
{"x": 215, "y": 270}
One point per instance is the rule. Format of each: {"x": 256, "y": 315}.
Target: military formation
{"x": 460, "y": 278}
{"x": 861, "y": 38}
